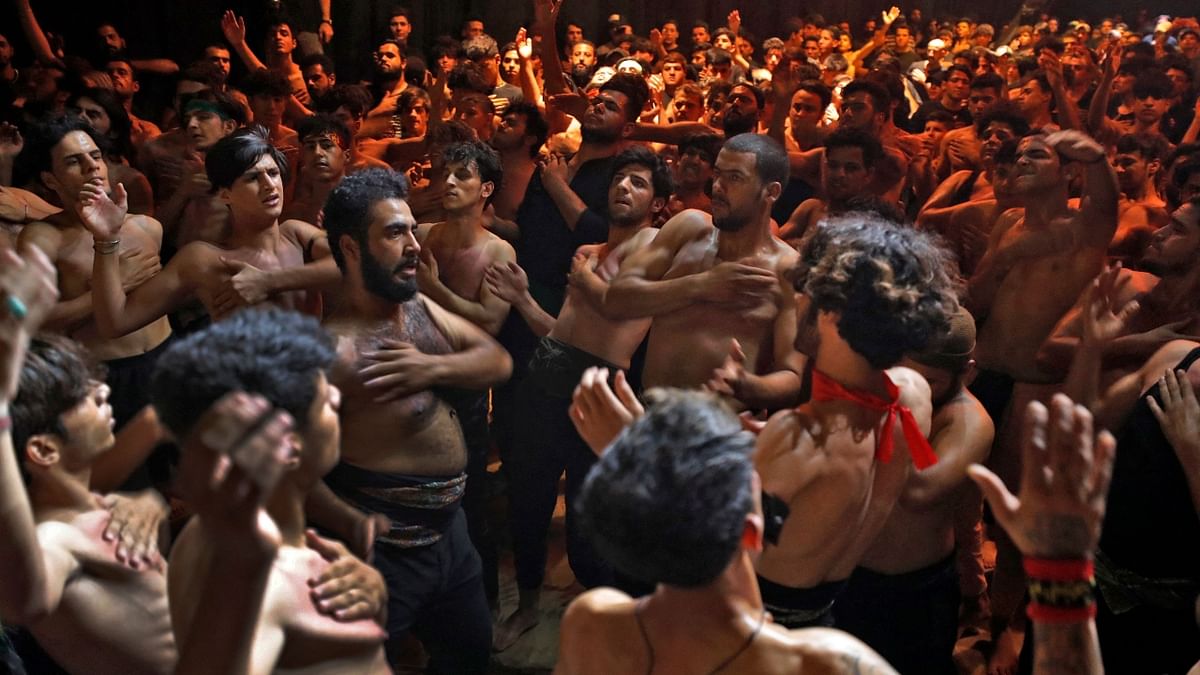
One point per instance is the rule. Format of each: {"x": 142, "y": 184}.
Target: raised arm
{"x": 545, "y": 19}
{"x": 671, "y": 134}
{"x": 1068, "y": 111}
{"x": 1098, "y": 208}
{"x": 33, "y": 571}
{"x": 34, "y": 34}
{"x": 1098, "y": 110}
{"x": 1055, "y": 523}
{"x": 234, "y": 29}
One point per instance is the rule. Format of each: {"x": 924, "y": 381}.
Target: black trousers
{"x": 436, "y": 591}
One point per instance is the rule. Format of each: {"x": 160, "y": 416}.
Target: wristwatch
{"x": 328, "y": 21}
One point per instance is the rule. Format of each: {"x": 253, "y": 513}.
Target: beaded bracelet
{"x": 1060, "y": 591}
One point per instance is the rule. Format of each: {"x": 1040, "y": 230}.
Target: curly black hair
{"x": 347, "y": 211}
{"x": 893, "y": 287}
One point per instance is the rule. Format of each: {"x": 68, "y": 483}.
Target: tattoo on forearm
{"x": 1055, "y": 535}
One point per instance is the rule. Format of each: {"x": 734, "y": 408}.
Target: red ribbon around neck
{"x": 825, "y": 388}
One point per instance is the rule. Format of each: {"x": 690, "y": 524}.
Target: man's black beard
{"x": 732, "y": 222}
{"x": 581, "y": 75}
{"x": 379, "y": 281}
{"x": 600, "y": 136}
{"x": 735, "y": 123}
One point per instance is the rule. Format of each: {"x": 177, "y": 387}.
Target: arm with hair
{"x": 38, "y": 41}
{"x": 671, "y": 134}
{"x": 545, "y": 13}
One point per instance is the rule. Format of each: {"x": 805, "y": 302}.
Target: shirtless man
{"x": 1037, "y": 263}
{"x": 192, "y": 212}
{"x": 268, "y": 92}
{"x": 518, "y": 139}
{"x": 68, "y": 158}
{"x": 715, "y": 286}
{"x": 903, "y": 599}
{"x": 349, "y": 104}
{"x": 675, "y": 501}
{"x": 325, "y": 146}
{"x": 125, "y": 85}
{"x": 403, "y": 454}
{"x": 1141, "y": 210}
{"x": 1166, "y": 290}
{"x": 580, "y": 337}
{"x": 261, "y": 260}
{"x": 455, "y": 254}
{"x": 388, "y": 85}
{"x": 848, "y": 166}
{"x": 280, "y": 44}
{"x": 830, "y": 462}
{"x": 959, "y": 149}
{"x": 242, "y": 354}
{"x": 693, "y": 173}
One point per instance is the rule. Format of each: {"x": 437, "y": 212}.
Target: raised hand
{"x": 1076, "y": 146}
{"x": 230, "y": 465}
{"x": 28, "y": 291}
{"x": 734, "y": 21}
{"x": 524, "y": 45}
{"x": 890, "y": 16}
{"x": 569, "y": 103}
{"x": 101, "y": 215}
{"x": 1052, "y": 64}
{"x": 1064, "y": 483}
{"x": 1103, "y": 321}
{"x": 325, "y": 32}
{"x": 599, "y": 414}
{"x": 349, "y": 589}
{"x": 545, "y": 12}
{"x": 233, "y": 27}
{"x": 1179, "y": 414}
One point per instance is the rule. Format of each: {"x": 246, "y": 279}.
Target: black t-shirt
{"x": 962, "y": 116}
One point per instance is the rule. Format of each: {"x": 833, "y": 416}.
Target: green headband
{"x": 205, "y": 106}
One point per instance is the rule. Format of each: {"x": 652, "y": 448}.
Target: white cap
{"x": 937, "y": 43}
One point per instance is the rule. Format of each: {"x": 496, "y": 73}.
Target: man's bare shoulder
{"x": 965, "y": 414}
{"x": 914, "y": 393}
{"x": 787, "y": 433}
{"x": 42, "y": 233}
{"x": 688, "y": 222}
{"x": 496, "y": 247}
{"x": 827, "y": 650}
{"x": 598, "y": 603}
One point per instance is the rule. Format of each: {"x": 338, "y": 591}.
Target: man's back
{"x": 821, "y": 461}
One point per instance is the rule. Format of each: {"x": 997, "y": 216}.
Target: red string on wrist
{"x": 1047, "y": 614}
{"x": 1059, "y": 570}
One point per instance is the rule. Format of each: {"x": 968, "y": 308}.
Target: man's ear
{"x": 332, "y": 79}
{"x": 772, "y": 190}
{"x": 49, "y": 180}
{"x": 487, "y": 189}
{"x": 969, "y": 373}
{"x": 229, "y": 126}
{"x": 657, "y": 205}
{"x": 350, "y": 250}
{"x": 43, "y": 450}
{"x": 223, "y": 195}
{"x": 628, "y": 129}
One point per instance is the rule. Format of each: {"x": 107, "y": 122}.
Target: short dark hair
{"x": 264, "y": 82}
{"x": 718, "y": 57}
{"x": 940, "y": 115}
{"x": 203, "y": 72}
{"x": 225, "y": 105}
{"x": 1150, "y": 147}
{"x": 818, "y": 89}
{"x": 988, "y": 81}
{"x": 55, "y": 377}
{"x": 468, "y": 76}
{"x": 43, "y": 137}
{"x": 322, "y": 124}
{"x": 961, "y": 69}
{"x": 667, "y": 502}
{"x": 708, "y": 145}
{"x": 759, "y": 99}
{"x": 400, "y": 11}
{"x": 483, "y": 156}
{"x": 848, "y": 137}
{"x": 272, "y": 352}
{"x": 347, "y": 211}
{"x": 1152, "y": 83}
{"x": 233, "y": 155}
{"x": 889, "y": 284}
{"x": 634, "y": 88}
{"x": 445, "y": 46}
{"x": 354, "y": 97}
{"x": 395, "y": 43}
{"x": 1004, "y": 111}
{"x": 660, "y": 174}
{"x": 322, "y": 60}
{"x": 535, "y": 124}
{"x": 881, "y": 100}
{"x": 770, "y": 159}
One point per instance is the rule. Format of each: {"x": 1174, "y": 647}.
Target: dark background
{"x": 180, "y": 30}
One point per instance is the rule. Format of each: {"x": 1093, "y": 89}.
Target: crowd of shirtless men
{"x": 793, "y": 316}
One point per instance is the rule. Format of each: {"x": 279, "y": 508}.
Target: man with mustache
{"x": 325, "y": 144}
{"x": 403, "y": 457}
{"x": 848, "y": 166}
{"x": 715, "y": 286}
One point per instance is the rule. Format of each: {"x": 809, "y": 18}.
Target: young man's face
{"x": 858, "y": 111}
{"x": 323, "y": 157}
{"x": 399, "y": 27}
{"x": 472, "y": 112}
{"x": 670, "y": 33}
{"x": 737, "y": 192}
{"x": 1150, "y": 109}
{"x": 1174, "y": 246}
{"x": 700, "y": 35}
{"x": 88, "y": 428}
{"x": 806, "y": 111}
{"x": 205, "y": 128}
{"x": 74, "y": 162}
{"x": 388, "y": 61}
{"x": 693, "y": 169}
{"x": 1033, "y": 99}
{"x": 343, "y": 115}
{"x": 218, "y": 56}
{"x": 583, "y": 54}
{"x": 510, "y": 66}
{"x": 280, "y": 39}
{"x": 722, "y": 41}
{"x": 957, "y": 86}
{"x": 510, "y": 135}
{"x": 903, "y": 39}
{"x": 258, "y": 191}
{"x": 774, "y": 58}
{"x": 268, "y": 109}
{"x": 472, "y": 29}
{"x": 465, "y": 189}
{"x": 980, "y": 99}
{"x": 110, "y": 38}
{"x": 687, "y": 108}
{"x": 1132, "y": 171}
{"x": 935, "y": 129}
{"x": 845, "y": 172}
{"x": 575, "y": 33}
{"x": 1037, "y": 166}
{"x": 812, "y": 48}
{"x": 389, "y": 262}
{"x": 673, "y": 73}
{"x": 993, "y": 137}
{"x": 92, "y": 113}
{"x": 631, "y": 195}
{"x": 414, "y": 120}
{"x": 122, "y": 76}
{"x": 317, "y": 80}
{"x": 605, "y": 118}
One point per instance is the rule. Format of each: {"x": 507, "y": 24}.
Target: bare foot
{"x": 512, "y": 628}
{"x": 1006, "y": 654}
